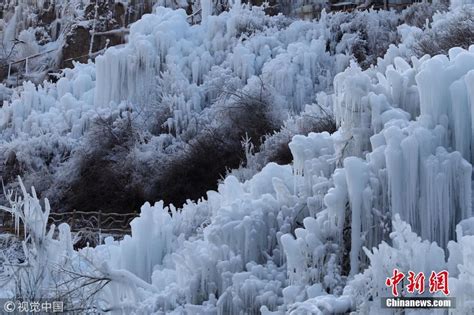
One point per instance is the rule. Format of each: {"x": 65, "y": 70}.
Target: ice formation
{"x": 313, "y": 236}
{"x": 178, "y": 62}
{"x": 407, "y": 169}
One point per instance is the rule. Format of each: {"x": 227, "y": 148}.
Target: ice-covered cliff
{"x": 391, "y": 188}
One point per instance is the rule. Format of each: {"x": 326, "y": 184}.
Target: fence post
{"x": 73, "y": 220}
{"x": 99, "y": 226}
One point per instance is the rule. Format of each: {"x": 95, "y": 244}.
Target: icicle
{"x": 410, "y": 180}
{"x": 469, "y": 81}
{"x": 462, "y": 125}
{"x": 206, "y": 9}
{"x": 394, "y": 162}
{"x": 357, "y": 179}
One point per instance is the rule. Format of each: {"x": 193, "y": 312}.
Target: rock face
{"x": 83, "y": 29}
{"x": 76, "y": 47}
{"x": 86, "y": 28}
{"x": 47, "y": 15}
{"x": 101, "y": 19}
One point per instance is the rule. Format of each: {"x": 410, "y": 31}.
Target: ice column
{"x": 357, "y": 176}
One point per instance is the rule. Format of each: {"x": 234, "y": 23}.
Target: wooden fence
{"x": 105, "y": 222}
{"x": 91, "y": 224}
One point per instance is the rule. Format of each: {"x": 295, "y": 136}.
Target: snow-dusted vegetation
{"x": 289, "y": 166}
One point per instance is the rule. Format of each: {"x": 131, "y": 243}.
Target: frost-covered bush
{"x": 199, "y": 166}
{"x": 103, "y": 163}
{"x": 47, "y": 265}
{"x": 36, "y": 159}
{"x": 364, "y": 34}
{"x": 418, "y": 14}
{"x": 316, "y": 118}
{"x": 457, "y": 30}
{"x": 51, "y": 269}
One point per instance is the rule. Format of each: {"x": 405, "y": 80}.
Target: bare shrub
{"x": 208, "y": 156}
{"x": 312, "y": 123}
{"x": 280, "y": 152}
{"x": 101, "y": 165}
{"x": 12, "y": 167}
{"x": 186, "y": 171}
{"x": 191, "y": 174}
{"x": 247, "y": 115}
{"x": 275, "y": 146}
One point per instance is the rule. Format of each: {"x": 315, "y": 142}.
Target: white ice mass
{"x": 391, "y": 188}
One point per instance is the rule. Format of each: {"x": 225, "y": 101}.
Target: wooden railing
{"x": 105, "y": 222}
{"x": 96, "y": 223}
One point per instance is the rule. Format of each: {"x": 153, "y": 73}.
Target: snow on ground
{"x": 390, "y": 189}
